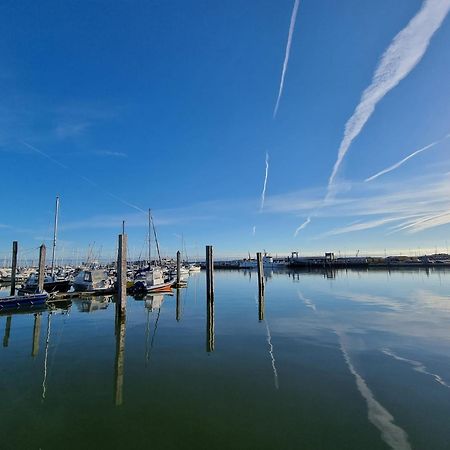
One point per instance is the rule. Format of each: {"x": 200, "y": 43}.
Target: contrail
{"x": 93, "y": 183}
{"x": 398, "y": 164}
{"x": 254, "y": 230}
{"x": 418, "y": 366}
{"x": 379, "y": 416}
{"x": 302, "y": 226}
{"x": 263, "y": 194}
{"x": 286, "y": 56}
{"x": 403, "y": 54}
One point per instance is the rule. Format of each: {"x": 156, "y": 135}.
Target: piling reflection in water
{"x": 36, "y": 334}
{"x": 178, "y": 309}
{"x": 7, "y": 331}
{"x": 210, "y": 322}
{"x": 261, "y": 304}
{"x": 120, "y": 357}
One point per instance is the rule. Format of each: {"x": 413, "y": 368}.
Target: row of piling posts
{"x": 209, "y": 299}
{"x": 261, "y": 286}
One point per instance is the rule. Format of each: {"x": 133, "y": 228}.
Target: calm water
{"x": 359, "y": 361}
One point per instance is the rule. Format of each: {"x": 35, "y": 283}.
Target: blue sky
{"x": 169, "y": 105}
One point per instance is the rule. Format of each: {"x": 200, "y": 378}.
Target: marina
{"x": 225, "y": 225}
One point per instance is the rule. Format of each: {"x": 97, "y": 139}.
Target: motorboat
{"x": 23, "y": 301}
{"x": 194, "y": 268}
{"x": 52, "y": 283}
{"x": 153, "y": 281}
{"x": 93, "y": 280}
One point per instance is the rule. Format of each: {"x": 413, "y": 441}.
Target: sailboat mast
{"x": 55, "y": 231}
{"x": 149, "y": 237}
{"x": 157, "y": 243}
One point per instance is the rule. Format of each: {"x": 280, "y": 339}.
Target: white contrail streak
{"x": 286, "y": 56}
{"x": 83, "y": 178}
{"x": 379, "y": 416}
{"x": 403, "y": 54}
{"x": 401, "y": 162}
{"x": 418, "y": 366}
{"x": 307, "y": 301}
{"x": 254, "y": 230}
{"x": 263, "y": 194}
{"x": 272, "y": 357}
{"x": 302, "y": 226}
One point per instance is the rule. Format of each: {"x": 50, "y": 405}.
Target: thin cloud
{"x": 363, "y": 226}
{"x": 254, "y": 230}
{"x": 286, "y": 56}
{"x": 112, "y": 154}
{"x": 401, "y": 162}
{"x": 263, "y": 194}
{"x": 400, "y": 58}
{"x": 69, "y": 130}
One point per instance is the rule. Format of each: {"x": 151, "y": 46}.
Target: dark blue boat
{"x": 23, "y": 301}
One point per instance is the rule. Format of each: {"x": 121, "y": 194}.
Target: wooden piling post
{"x": 41, "y": 276}
{"x": 14, "y": 268}
{"x": 122, "y": 274}
{"x": 178, "y": 267}
{"x": 36, "y": 335}
{"x": 119, "y": 361}
{"x": 260, "y": 272}
{"x": 209, "y": 271}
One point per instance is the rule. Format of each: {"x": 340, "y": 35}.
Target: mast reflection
{"x": 47, "y": 342}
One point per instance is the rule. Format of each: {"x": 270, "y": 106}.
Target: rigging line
{"x": 156, "y": 238}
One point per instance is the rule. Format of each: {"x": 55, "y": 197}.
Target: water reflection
{"x": 7, "y": 331}
{"x": 210, "y": 338}
{"x": 391, "y": 433}
{"x": 178, "y": 306}
{"x": 47, "y": 342}
{"x": 91, "y": 304}
{"x": 417, "y": 366}
{"x": 383, "y": 373}
{"x": 119, "y": 362}
{"x": 36, "y": 334}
